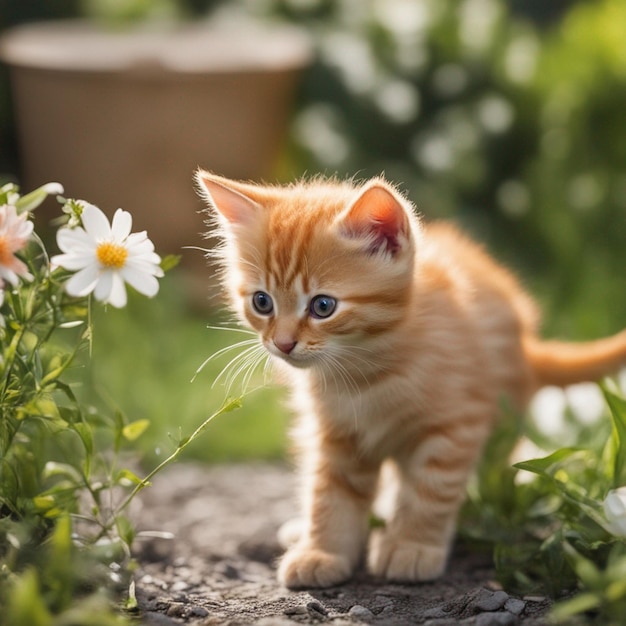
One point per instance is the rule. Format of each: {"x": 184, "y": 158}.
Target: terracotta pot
{"x": 124, "y": 118}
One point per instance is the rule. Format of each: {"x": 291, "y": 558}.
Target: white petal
{"x": 147, "y": 267}
{"x": 53, "y": 188}
{"x": 145, "y": 284}
{"x": 104, "y": 286}
{"x": 95, "y": 222}
{"x": 82, "y": 282}
{"x": 118, "y": 292}
{"x": 70, "y": 239}
{"x": 72, "y": 262}
{"x": 140, "y": 241}
{"x": 122, "y": 223}
{"x": 9, "y": 275}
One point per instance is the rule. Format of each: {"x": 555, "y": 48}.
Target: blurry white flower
{"x": 615, "y": 511}
{"x": 15, "y": 230}
{"x": 105, "y": 256}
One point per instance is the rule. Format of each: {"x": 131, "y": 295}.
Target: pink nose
{"x": 285, "y": 346}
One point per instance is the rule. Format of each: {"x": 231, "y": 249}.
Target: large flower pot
{"x": 124, "y": 118}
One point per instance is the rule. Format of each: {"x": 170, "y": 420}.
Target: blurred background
{"x": 506, "y": 117}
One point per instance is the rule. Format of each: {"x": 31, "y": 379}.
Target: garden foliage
{"x": 66, "y": 478}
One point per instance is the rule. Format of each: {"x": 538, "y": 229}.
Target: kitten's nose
{"x": 285, "y": 346}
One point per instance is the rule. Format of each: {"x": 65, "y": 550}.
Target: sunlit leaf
{"x": 617, "y": 443}
{"x": 580, "y": 603}
{"x": 128, "y": 477}
{"x": 32, "y": 200}
{"x": 134, "y": 430}
{"x": 543, "y": 465}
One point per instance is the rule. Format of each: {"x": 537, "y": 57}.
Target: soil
{"x": 218, "y": 565}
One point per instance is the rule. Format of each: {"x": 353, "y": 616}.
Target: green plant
{"x": 560, "y": 533}
{"x": 65, "y": 473}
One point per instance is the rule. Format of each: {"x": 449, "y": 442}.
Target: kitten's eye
{"x": 322, "y": 306}
{"x": 262, "y": 303}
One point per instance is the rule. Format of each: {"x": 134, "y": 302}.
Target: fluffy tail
{"x": 560, "y": 363}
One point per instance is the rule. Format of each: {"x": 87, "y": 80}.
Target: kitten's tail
{"x": 560, "y": 363}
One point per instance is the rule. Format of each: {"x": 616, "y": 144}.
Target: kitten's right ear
{"x": 236, "y": 207}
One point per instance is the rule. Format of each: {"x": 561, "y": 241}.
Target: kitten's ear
{"x": 227, "y": 197}
{"x": 379, "y": 217}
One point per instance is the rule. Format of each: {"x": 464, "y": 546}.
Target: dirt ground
{"x": 219, "y": 565}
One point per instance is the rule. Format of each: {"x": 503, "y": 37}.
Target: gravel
{"x": 220, "y": 566}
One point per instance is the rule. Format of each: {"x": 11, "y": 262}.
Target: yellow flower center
{"x": 111, "y": 255}
{"x": 6, "y": 254}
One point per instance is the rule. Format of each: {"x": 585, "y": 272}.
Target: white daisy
{"x": 106, "y": 256}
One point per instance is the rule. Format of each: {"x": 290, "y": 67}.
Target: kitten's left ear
{"x": 378, "y": 217}
{"x": 228, "y": 197}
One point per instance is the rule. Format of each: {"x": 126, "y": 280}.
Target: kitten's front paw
{"x": 308, "y": 567}
{"x": 405, "y": 561}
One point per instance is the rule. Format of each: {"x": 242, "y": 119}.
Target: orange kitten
{"x": 400, "y": 340}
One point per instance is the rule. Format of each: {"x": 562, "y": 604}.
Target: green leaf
{"x": 53, "y": 469}
{"x": 578, "y": 604}
{"x": 26, "y": 606}
{"x": 135, "y": 429}
{"x": 231, "y": 404}
{"x": 32, "y": 200}
{"x": 170, "y": 261}
{"x": 617, "y": 444}
{"x": 125, "y": 529}
{"x": 126, "y": 476}
{"x": 543, "y": 465}
{"x": 44, "y": 503}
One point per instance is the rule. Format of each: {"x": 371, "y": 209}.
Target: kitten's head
{"x": 314, "y": 268}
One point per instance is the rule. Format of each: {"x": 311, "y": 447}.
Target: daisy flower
{"x": 106, "y": 256}
{"x": 15, "y": 231}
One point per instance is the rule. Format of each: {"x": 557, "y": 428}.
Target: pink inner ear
{"x": 378, "y": 213}
{"x": 233, "y": 205}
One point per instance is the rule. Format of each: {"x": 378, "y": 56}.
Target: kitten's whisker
{"x": 248, "y": 365}
{"x": 234, "y": 361}
{"x": 220, "y": 352}
{"x": 246, "y": 331}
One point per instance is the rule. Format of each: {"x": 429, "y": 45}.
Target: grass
{"x": 144, "y": 358}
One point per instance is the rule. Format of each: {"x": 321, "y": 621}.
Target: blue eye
{"x": 322, "y": 306}
{"x": 262, "y": 303}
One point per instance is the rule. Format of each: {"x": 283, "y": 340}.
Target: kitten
{"x": 400, "y": 340}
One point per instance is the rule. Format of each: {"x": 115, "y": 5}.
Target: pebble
{"x": 496, "y": 619}
{"x": 515, "y": 606}
{"x": 296, "y": 610}
{"x": 179, "y": 585}
{"x": 488, "y": 601}
{"x": 198, "y": 611}
{"x": 435, "y": 613}
{"x": 361, "y": 613}
{"x": 316, "y": 609}
{"x": 175, "y": 609}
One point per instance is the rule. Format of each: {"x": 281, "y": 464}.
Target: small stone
{"x": 180, "y": 585}
{"x": 228, "y": 571}
{"x": 316, "y": 609}
{"x": 515, "y": 606}
{"x": 175, "y": 609}
{"x": 359, "y": 612}
{"x": 488, "y": 601}
{"x": 496, "y": 619}
{"x": 198, "y": 611}
{"x": 436, "y": 612}
{"x": 296, "y": 610}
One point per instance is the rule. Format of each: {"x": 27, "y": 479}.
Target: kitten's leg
{"x": 339, "y": 492}
{"x": 415, "y": 544}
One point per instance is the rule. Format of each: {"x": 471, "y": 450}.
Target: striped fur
{"x": 428, "y": 337}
